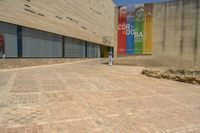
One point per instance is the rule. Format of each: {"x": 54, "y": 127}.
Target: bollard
{"x": 110, "y": 59}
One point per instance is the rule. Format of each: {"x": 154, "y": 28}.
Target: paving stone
{"x": 89, "y": 97}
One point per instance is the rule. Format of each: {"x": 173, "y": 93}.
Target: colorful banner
{"x": 139, "y": 28}
{"x": 135, "y": 29}
{"x": 130, "y": 30}
{"x": 122, "y": 30}
{"x": 147, "y": 48}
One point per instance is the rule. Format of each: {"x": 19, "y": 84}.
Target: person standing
{"x": 2, "y": 45}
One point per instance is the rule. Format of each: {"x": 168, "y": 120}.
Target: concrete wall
{"x": 90, "y": 20}
{"x": 176, "y": 36}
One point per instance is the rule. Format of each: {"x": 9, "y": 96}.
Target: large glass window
{"x": 41, "y": 44}
{"x": 93, "y": 50}
{"x": 10, "y": 35}
{"x": 74, "y": 48}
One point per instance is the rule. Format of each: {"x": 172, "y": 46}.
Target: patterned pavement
{"x": 87, "y": 97}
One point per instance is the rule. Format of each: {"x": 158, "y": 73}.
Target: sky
{"x": 126, "y": 2}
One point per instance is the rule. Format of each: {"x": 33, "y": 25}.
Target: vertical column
{"x": 19, "y": 42}
{"x": 86, "y": 52}
{"x": 63, "y": 46}
{"x": 111, "y": 50}
{"x": 104, "y": 49}
{"x": 99, "y": 52}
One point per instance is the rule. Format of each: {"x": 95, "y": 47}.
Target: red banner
{"x": 122, "y": 30}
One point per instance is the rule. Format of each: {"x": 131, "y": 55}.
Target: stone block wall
{"x": 176, "y": 36}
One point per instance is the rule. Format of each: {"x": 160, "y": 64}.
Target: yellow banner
{"x": 147, "y": 46}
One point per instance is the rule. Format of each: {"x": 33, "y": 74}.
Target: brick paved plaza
{"x": 87, "y": 97}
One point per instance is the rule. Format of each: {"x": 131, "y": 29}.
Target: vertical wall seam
{"x": 176, "y": 29}
{"x": 182, "y": 26}
{"x": 182, "y": 30}
{"x": 164, "y": 26}
{"x": 176, "y": 6}
{"x": 196, "y": 33}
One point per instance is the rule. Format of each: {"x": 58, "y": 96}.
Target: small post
{"x": 4, "y": 56}
{"x": 110, "y": 58}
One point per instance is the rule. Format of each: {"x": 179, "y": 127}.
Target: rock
{"x": 197, "y": 80}
{"x": 152, "y": 73}
{"x": 158, "y": 76}
{"x": 173, "y": 76}
{"x": 187, "y": 76}
{"x": 165, "y": 75}
{"x": 181, "y": 78}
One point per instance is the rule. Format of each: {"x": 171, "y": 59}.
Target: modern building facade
{"x": 166, "y": 34}
{"x": 64, "y": 28}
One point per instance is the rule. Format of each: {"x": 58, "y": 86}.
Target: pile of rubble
{"x": 182, "y": 75}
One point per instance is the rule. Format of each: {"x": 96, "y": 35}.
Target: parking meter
{"x": 110, "y": 59}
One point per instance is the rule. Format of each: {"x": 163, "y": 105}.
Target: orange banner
{"x": 147, "y": 46}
